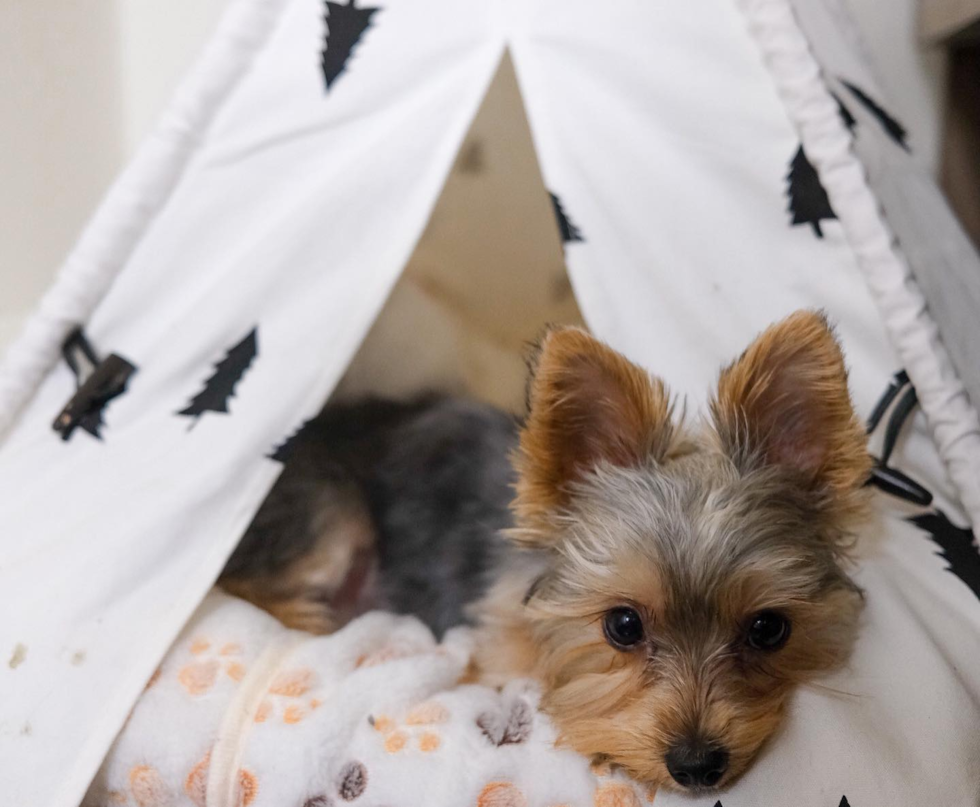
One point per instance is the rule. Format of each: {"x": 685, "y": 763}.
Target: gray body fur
{"x": 434, "y": 478}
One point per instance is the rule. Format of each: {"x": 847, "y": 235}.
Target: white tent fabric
{"x": 912, "y": 329}
{"x": 271, "y": 204}
{"x": 946, "y": 264}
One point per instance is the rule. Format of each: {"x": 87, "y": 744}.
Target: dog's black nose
{"x": 697, "y": 764}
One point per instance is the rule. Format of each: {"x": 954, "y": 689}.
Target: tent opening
{"x": 486, "y": 276}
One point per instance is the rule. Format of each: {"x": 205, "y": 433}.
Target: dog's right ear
{"x": 589, "y": 406}
{"x": 784, "y": 404}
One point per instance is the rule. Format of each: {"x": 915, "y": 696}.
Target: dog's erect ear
{"x": 588, "y": 405}
{"x": 785, "y": 402}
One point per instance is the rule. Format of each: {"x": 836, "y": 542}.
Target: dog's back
{"x": 382, "y": 504}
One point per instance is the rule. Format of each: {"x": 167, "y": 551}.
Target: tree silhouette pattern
{"x": 845, "y": 114}
{"x": 956, "y": 546}
{"x": 346, "y": 24}
{"x": 283, "y": 451}
{"x": 808, "y": 201}
{"x": 227, "y": 373}
{"x": 892, "y": 127}
{"x": 566, "y": 228}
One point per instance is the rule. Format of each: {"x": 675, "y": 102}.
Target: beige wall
{"x": 83, "y": 81}
{"x": 158, "y": 41}
{"x": 60, "y": 139}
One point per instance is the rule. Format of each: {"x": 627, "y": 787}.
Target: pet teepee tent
{"x": 711, "y": 169}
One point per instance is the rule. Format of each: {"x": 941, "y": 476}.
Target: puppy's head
{"x": 692, "y": 576}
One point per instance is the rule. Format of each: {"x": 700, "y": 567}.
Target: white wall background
{"x": 83, "y": 81}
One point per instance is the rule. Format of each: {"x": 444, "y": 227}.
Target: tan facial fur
{"x": 319, "y": 590}
{"x": 696, "y": 529}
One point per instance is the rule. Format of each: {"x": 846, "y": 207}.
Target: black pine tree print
{"x": 844, "y": 802}
{"x": 808, "y": 200}
{"x": 892, "y": 127}
{"x": 845, "y": 114}
{"x": 956, "y": 546}
{"x": 346, "y": 25}
{"x": 568, "y": 231}
{"x": 285, "y": 449}
{"x": 227, "y": 373}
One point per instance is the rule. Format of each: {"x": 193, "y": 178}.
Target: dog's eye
{"x": 623, "y": 627}
{"x": 768, "y": 630}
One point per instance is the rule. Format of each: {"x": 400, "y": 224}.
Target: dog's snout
{"x": 697, "y": 764}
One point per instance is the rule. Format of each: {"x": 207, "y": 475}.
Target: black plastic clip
{"x": 98, "y": 383}
{"x": 891, "y": 480}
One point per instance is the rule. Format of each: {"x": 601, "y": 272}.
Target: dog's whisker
{"x": 829, "y": 690}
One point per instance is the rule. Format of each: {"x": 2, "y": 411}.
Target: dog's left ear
{"x": 589, "y": 406}
{"x": 785, "y": 402}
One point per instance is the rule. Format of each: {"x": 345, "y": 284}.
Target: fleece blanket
{"x": 244, "y": 713}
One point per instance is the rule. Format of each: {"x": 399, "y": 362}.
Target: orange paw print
{"x": 200, "y": 675}
{"x": 385, "y": 654}
{"x": 501, "y": 794}
{"x": 196, "y": 784}
{"x": 146, "y": 788}
{"x": 419, "y": 723}
{"x": 286, "y": 697}
{"x": 616, "y": 793}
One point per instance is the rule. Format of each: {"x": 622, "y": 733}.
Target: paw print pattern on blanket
{"x": 146, "y": 789}
{"x": 198, "y": 677}
{"x": 286, "y": 697}
{"x": 505, "y": 794}
{"x": 613, "y": 792}
{"x": 616, "y": 794}
{"x": 196, "y": 784}
{"x": 429, "y": 742}
{"x": 351, "y": 784}
{"x": 501, "y": 794}
{"x": 391, "y": 652}
{"x": 419, "y": 725}
{"x": 508, "y": 726}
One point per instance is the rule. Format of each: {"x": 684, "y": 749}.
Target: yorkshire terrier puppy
{"x": 668, "y": 584}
